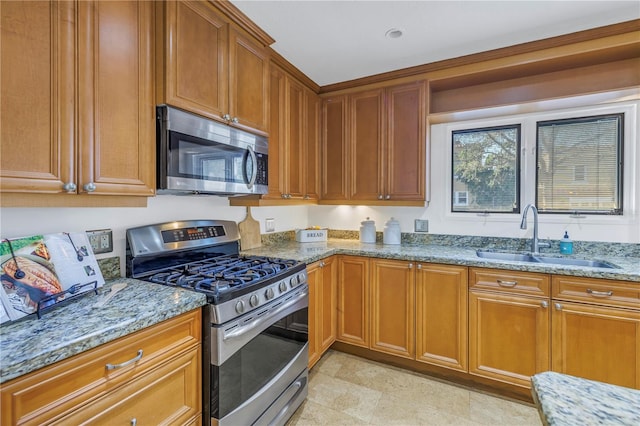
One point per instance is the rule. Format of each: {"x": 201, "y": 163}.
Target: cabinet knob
{"x": 410, "y": 265}
{"x": 544, "y": 304}
{"x": 558, "y": 306}
{"x": 387, "y": 197}
{"x": 235, "y": 120}
{"x": 134, "y": 421}
{"x": 90, "y": 187}
{"x": 69, "y": 187}
{"x": 226, "y": 117}
{"x": 419, "y": 266}
{"x": 322, "y": 264}
{"x": 380, "y": 197}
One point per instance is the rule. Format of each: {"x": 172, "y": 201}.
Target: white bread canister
{"x": 367, "y": 231}
{"x": 391, "y": 234}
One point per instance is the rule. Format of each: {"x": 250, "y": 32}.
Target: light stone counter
{"x": 31, "y": 343}
{"x": 568, "y": 400}
{"x": 448, "y": 254}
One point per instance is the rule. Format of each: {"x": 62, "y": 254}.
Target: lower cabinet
{"x": 508, "y": 327}
{"x": 322, "y": 279}
{"x": 393, "y": 307}
{"x": 596, "y": 330}
{"x": 441, "y": 315}
{"x": 152, "y": 376}
{"x": 353, "y": 300}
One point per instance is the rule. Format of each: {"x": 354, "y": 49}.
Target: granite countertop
{"x": 449, "y": 254}
{"x": 568, "y": 400}
{"x": 31, "y": 343}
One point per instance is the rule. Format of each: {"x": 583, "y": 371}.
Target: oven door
{"x": 258, "y": 363}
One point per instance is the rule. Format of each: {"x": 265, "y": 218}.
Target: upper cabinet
{"x": 77, "y": 111}
{"x": 374, "y": 146}
{"x": 211, "y": 67}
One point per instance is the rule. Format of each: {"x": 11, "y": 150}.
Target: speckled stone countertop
{"x": 449, "y": 254}
{"x": 568, "y": 400}
{"x": 31, "y": 343}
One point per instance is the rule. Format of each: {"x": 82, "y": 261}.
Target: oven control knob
{"x": 293, "y": 281}
{"x": 269, "y": 293}
{"x": 253, "y": 300}
{"x": 301, "y": 277}
{"x": 283, "y": 286}
{"x": 240, "y": 307}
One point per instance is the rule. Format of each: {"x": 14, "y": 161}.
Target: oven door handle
{"x": 249, "y": 326}
{"x": 254, "y": 173}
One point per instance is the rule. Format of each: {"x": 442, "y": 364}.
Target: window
{"x": 579, "y": 165}
{"x": 486, "y": 168}
{"x": 460, "y": 198}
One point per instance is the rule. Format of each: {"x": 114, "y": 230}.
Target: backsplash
{"x": 110, "y": 267}
{"x": 580, "y": 248}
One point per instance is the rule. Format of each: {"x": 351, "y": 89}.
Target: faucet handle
{"x": 545, "y": 244}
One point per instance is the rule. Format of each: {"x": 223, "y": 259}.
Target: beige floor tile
{"x": 345, "y": 389}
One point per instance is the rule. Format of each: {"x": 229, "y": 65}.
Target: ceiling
{"x": 337, "y": 41}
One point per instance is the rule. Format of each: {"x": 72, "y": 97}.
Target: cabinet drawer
{"x": 168, "y": 394}
{"x": 48, "y": 393}
{"x": 597, "y": 291}
{"x": 524, "y": 283}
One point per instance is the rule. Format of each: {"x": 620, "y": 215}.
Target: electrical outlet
{"x": 421, "y": 225}
{"x": 269, "y": 225}
{"x": 101, "y": 240}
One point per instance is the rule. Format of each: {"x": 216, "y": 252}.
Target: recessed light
{"x": 393, "y": 33}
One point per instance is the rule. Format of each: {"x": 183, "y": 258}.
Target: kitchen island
{"x": 565, "y": 400}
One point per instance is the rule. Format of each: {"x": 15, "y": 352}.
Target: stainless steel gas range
{"x": 255, "y": 326}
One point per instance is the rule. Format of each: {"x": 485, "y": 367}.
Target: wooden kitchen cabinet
{"x": 596, "y": 329}
{"x": 211, "y": 67}
{"x": 163, "y": 385}
{"x": 292, "y": 139}
{"x": 322, "y": 278}
{"x": 509, "y": 329}
{"x": 353, "y": 300}
{"x": 441, "y": 315}
{"x": 393, "y": 307}
{"x": 77, "y": 102}
{"x": 381, "y": 133}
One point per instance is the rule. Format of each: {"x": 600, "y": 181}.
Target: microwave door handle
{"x": 254, "y": 173}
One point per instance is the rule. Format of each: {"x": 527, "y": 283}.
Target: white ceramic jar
{"x": 367, "y": 231}
{"x": 391, "y": 234}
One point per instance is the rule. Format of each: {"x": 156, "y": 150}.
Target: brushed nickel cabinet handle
{"x": 558, "y": 306}
{"x": 124, "y": 364}
{"x": 419, "y": 266}
{"x": 134, "y": 422}
{"x": 380, "y": 197}
{"x": 410, "y": 265}
{"x": 387, "y": 197}
{"x": 90, "y": 187}
{"x": 235, "y": 120}
{"x": 596, "y": 293}
{"x": 544, "y": 304}
{"x": 508, "y": 284}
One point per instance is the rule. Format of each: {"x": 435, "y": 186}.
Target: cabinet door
{"x": 116, "y": 114}
{"x": 366, "y": 139}
{"x": 392, "y": 307}
{"x": 167, "y": 395}
{"x": 196, "y": 48}
{"x": 508, "y": 337}
{"x": 295, "y": 140}
{"x": 312, "y": 129}
{"x": 329, "y": 283}
{"x": 441, "y": 315}
{"x": 248, "y": 82}
{"x": 597, "y": 343}
{"x": 405, "y": 153}
{"x": 277, "y": 133}
{"x": 37, "y": 96}
{"x": 334, "y": 149}
{"x": 314, "y": 280}
{"x": 353, "y": 300}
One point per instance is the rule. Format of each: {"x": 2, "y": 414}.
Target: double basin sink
{"x": 538, "y": 258}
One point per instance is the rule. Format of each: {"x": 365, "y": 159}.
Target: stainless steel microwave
{"x": 201, "y": 156}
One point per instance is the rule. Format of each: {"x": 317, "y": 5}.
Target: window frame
{"x": 620, "y": 164}
{"x": 518, "y": 173}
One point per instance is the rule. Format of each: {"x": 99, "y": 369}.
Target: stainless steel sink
{"x": 527, "y": 257}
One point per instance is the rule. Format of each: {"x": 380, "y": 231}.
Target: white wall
{"x": 16, "y": 222}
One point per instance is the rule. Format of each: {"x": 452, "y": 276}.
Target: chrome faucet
{"x": 535, "y": 242}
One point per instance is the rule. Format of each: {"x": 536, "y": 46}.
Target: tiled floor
{"x": 348, "y": 390}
